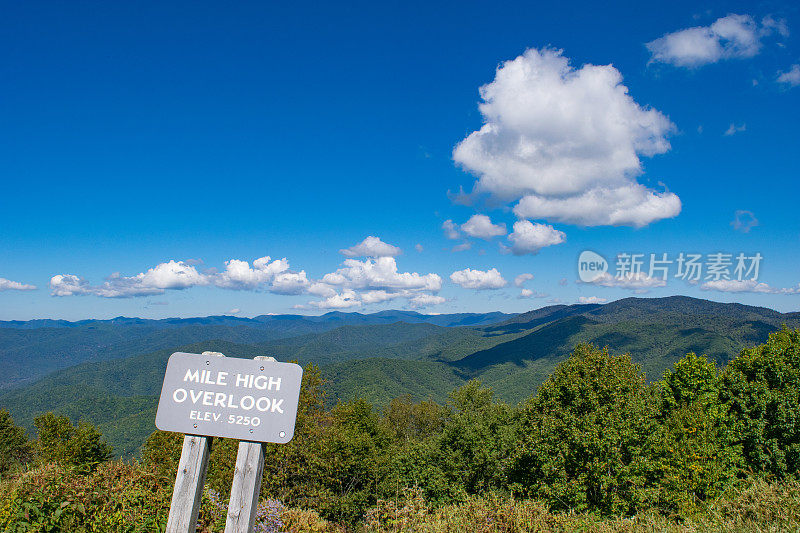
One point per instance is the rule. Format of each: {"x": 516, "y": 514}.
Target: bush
{"x": 14, "y": 446}
{"x": 583, "y": 437}
{"x": 81, "y": 446}
{"x": 761, "y": 389}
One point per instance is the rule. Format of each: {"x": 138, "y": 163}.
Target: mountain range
{"x": 110, "y": 371}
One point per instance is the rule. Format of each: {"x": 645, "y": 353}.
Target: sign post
{"x": 209, "y": 395}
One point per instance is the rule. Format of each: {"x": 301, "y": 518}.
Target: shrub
{"x": 583, "y": 436}
{"x": 14, "y": 446}
{"x": 59, "y": 441}
{"x": 761, "y": 389}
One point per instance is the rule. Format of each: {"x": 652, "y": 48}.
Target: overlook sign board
{"x": 245, "y": 399}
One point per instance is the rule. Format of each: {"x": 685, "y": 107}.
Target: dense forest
{"x": 597, "y": 446}
{"x": 109, "y": 372}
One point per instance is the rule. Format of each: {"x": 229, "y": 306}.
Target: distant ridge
{"x": 110, "y": 371}
{"x": 34, "y": 348}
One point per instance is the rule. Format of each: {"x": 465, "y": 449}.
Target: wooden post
{"x": 246, "y": 488}
{"x": 189, "y": 485}
{"x": 189, "y": 481}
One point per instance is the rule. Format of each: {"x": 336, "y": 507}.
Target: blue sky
{"x": 149, "y": 149}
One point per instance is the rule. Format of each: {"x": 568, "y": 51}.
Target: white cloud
{"x": 744, "y": 221}
{"x": 380, "y": 273}
{"x": 424, "y": 300}
{"x": 174, "y": 275}
{"x": 558, "y": 134}
{"x": 481, "y": 226}
{"x": 265, "y": 274}
{"x": 234, "y": 311}
{"x": 451, "y": 230}
{"x": 527, "y": 293}
{"x": 371, "y": 247}
{"x": 464, "y": 246}
{"x": 792, "y": 76}
{"x": 372, "y": 281}
{"x": 749, "y": 285}
{"x": 8, "y": 285}
{"x": 479, "y": 279}
{"x": 347, "y": 298}
{"x": 68, "y": 285}
{"x": 418, "y": 247}
{"x": 733, "y": 36}
{"x": 632, "y": 204}
{"x": 240, "y": 276}
{"x": 591, "y": 300}
{"x": 529, "y": 238}
{"x": 734, "y": 129}
{"x": 520, "y": 280}
{"x": 289, "y": 283}
{"x": 638, "y": 281}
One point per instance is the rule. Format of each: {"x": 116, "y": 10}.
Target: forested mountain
{"x": 378, "y": 357}
{"x": 32, "y": 349}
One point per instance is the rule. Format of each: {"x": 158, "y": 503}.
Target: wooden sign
{"x": 245, "y": 399}
{"x": 209, "y": 395}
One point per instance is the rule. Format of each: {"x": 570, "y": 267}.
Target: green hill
{"x": 386, "y": 360}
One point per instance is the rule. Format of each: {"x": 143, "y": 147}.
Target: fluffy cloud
{"x": 481, "y": 226}
{"x": 451, "y": 230}
{"x": 239, "y": 275}
{"x": 380, "y": 273}
{"x": 635, "y": 281}
{"x": 520, "y": 280}
{"x": 749, "y": 285}
{"x": 174, "y": 275}
{"x": 265, "y": 274}
{"x": 744, "y": 221}
{"x": 8, "y": 285}
{"x": 555, "y": 136}
{"x": 371, "y": 247}
{"x": 464, "y": 246}
{"x": 373, "y": 281}
{"x": 69, "y": 285}
{"x": 632, "y": 204}
{"x": 791, "y": 77}
{"x": 347, "y": 298}
{"x": 734, "y": 36}
{"x": 529, "y": 238}
{"x": 591, "y": 300}
{"x": 289, "y": 283}
{"x": 478, "y": 279}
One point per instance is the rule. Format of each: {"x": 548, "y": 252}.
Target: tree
{"x": 476, "y": 441}
{"x": 59, "y": 441}
{"x": 583, "y": 435}
{"x": 14, "y": 446}
{"x": 761, "y": 389}
{"x": 692, "y": 455}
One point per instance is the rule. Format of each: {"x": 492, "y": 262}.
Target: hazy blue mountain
{"x": 29, "y": 350}
{"x": 399, "y": 353}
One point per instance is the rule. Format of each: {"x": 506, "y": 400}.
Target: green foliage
{"x": 80, "y": 446}
{"x": 583, "y": 436}
{"x": 595, "y": 447}
{"x": 692, "y": 454}
{"x": 374, "y": 357}
{"x": 114, "y": 497}
{"x": 761, "y": 389}
{"x": 14, "y": 445}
